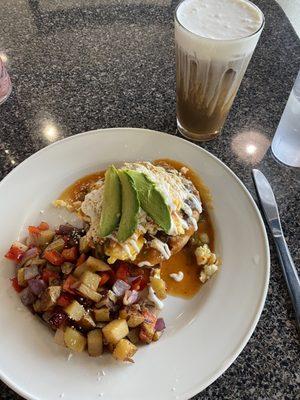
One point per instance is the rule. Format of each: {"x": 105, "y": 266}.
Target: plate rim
{"x": 253, "y": 323}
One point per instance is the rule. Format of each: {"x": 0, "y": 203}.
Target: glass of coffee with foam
{"x": 215, "y": 40}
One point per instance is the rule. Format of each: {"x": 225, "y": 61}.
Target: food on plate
{"x": 145, "y": 233}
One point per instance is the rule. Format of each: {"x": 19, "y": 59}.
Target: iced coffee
{"x": 214, "y": 44}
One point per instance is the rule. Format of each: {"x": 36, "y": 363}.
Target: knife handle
{"x": 290, "y": 274}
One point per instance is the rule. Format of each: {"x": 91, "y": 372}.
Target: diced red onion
{"x": 130, "y": 297}
{"x": 160, "y": 325}
{"x": 37, "y": 286}
{"x": 131, "y": 279}
{"x": 27, "y": 297}
{"x": 120, "y": 287}
{"x": 30, "y": 272}
{"x": 30, "y": 253}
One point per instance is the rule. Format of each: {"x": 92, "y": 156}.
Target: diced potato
{"x": 133, "y": 336}
{"x": 115, "y": 331}
{"x": 59, "y": 337}
{"x": 80, "y": 270}
{"x": 133, "y": 316}
{"x": 95, "y": 343}
{"x": 135, "y": 320}
{"x": 67, "y": 268}
{"x": 146, "y": 333}
{"x": 148, "y": 327}
{"x": 83, "y": 245}
{"x": 56, "y": 245}
{"x": 159, "y": 287}
{"x": 43, "y": 238}
{"x": 74, "y": 340}
{"x": 124, "y": 350}
{"x": 48, "y": 299}
{"x": 90, "y": 279}
{"x": 89, "y": 293}
{"x": 97, "y": 265}
{"x": 102, "y": 314}
{"x": 21, "y": 277}
{"x": 75, "y": 311}
{"x": 87, "y": 321}
{"x": 157, "y": 336}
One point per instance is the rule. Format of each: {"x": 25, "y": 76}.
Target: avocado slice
{"x": 152, "y": 200}
{"x": 112, "y": 202}
{"x": 130, "y": 207}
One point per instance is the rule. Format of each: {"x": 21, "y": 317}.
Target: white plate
{"x": 204, "y": 335}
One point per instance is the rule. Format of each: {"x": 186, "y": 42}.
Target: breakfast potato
{"x": 74, "y": 340}
{"x": 89, "y": 293}
{"x": 90, "y": 279}
{"x": 57, "y": 245}
{"x": 80, "y": 270}
{"x": 48, "y": 299}
{"x": 42, "y": 238}
{"x": 75, "y": 311}
{"x": 102, "y": 314}
{"x": 133, "y": 316}
{"x": 124, "y": 350}
{"x": 84, "y": 245}
{"x": 87, "y": 321}
{"x": 96, "y": 265}
{"x": 95, "y": 343}
{"x": 147, "y": 330}
{"x": 133, "y": 336}
{"x": 159, "y": 287}
{"x": 21, "y": 277}
{"x": 115, "y": 331}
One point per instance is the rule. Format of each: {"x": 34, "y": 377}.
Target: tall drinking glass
{"x": 215, "y": 40}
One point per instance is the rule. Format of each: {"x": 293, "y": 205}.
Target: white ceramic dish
{"x": 204, "y": 335}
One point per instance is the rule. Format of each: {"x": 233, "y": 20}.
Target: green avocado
{"x": 152, "y": 200}
{"x": 112, "y": 202}
{"x": 130, "y": 207}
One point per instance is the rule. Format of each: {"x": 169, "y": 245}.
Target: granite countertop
{"x": 78, "y": 65}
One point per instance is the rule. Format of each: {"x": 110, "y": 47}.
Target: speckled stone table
{"x": 78, "y": 65}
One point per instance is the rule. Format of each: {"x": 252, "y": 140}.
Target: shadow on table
{"x": 105, "y": 13}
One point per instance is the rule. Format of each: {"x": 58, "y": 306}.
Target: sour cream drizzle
{"x": 162, "y": 247}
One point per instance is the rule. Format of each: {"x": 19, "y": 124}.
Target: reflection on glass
{"x": 250, "y": 146}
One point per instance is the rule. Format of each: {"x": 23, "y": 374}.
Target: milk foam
{"x": 223, "y": 30}
{"x": 220, "y": 19}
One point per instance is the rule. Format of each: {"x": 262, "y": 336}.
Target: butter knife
{"x": 270, "y": 210}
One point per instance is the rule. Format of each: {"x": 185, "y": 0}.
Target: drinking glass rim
{"x": 223, "y": 40}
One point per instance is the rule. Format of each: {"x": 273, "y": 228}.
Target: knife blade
{"x": 269, "y": 206}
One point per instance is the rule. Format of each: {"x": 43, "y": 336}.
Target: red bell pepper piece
{"x": 33, "y": 230}
{"x": 43, "y": 226}
{"x": 54, "y": 257}
{"x": 47, "y": 274}
{"x": 15, "y": 285}
{"x": 81, "y": 259}
{"x": 14, "y": 253}
{"x": 122, "y": 271}
{"x": 64, "y": 300}
{"x": 105, "y": 277}
{"x": 68, "y": 283}
{"x": 70, "y": 254}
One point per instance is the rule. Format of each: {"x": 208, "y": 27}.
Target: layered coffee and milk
{"x": 214, "y": 43}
